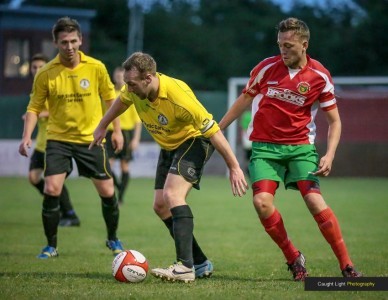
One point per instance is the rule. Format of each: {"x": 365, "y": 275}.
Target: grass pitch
{"x": 248, "y": 265}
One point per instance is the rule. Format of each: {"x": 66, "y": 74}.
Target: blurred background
{"x": 212, "y": 45}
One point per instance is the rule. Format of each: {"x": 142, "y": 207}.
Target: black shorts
{"x": 188, "y": 161}
{"x": 37, "y": 160}
{"x": 90, "y": 163}
{"x": 126, "y": 153}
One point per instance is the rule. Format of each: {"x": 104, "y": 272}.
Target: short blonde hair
{"x": 143, "y": 62}
{"x": 298, "y": 26}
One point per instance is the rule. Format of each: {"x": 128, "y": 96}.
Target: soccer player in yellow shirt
{"x": 131, "y": 129}
{"x": 74, "y": 85}
{"x": 186, "y": 133}
{"x": 68, "y": 215}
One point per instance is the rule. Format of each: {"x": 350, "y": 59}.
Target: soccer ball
{"x": 130, "y": 266}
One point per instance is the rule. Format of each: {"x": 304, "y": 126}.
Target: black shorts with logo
{"x": 126, "y": 153}
{"x": 90, "y": 163}
{"x": 188, "y": 160}
{"x": 37, "y": 160}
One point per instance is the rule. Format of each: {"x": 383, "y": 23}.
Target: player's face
{"x": 292, "y": 49}
{"x": 118, "y": 77}
{"x": 136, "y": 84}
{"x": 68, "y": 44}
{"x": 36, "y": 65}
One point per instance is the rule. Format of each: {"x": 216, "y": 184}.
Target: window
{"x": 48, "y": 48}
{"x": 17, "y": 58}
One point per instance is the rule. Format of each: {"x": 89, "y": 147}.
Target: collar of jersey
{"x": 83, "y": 58}
{"x": 162, "y": 86}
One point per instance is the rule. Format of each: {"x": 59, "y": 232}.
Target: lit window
{"x": 17, "y": 58}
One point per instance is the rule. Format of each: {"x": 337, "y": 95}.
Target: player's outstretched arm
{"x": 236, "y": 175}
{"x": 241, "y": 105}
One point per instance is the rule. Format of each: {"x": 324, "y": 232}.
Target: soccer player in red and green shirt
{"x": 285, "y": 92}
{"x": 186, "y": 133}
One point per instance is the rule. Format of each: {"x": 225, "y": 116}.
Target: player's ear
{"x": 148, "y": 78}
{"x": 305, "y": 45}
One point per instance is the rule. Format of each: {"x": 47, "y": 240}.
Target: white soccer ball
{"x": 130, "y": 266}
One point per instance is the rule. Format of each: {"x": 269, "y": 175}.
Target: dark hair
{"x": 39, "y": 56}
{"x": 65, "y": 24}
{"x": 143, "y": 62}
{"x": 298, "y": 26}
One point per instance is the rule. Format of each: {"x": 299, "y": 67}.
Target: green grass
{"x": 248, "y": 265}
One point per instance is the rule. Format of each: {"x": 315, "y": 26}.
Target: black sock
{"x": 50, "y": 217}
{"x": 115, "y": 181}
{"x": 40, "y": 186}
{"x": 65, "y": 204}
{"x": 123, "y": 185}
{"x": 198, "y": 255}
{"x": 183, "y": 226}
{"x": 110, "y": 211}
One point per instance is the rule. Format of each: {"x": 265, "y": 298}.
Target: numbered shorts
{"x": 283, "y": 163}
{"x": 91, "y": 163}
{"x": 188, "y": 161}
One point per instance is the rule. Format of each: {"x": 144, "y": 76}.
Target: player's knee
{"x": 308, "y": 186}
{"x": 52, "y": 190}
{"x": 34, "y": 177}
{"x": 161, "y": 209}
{"x": 265, "y": 186}
{"x": 263, "y": 203}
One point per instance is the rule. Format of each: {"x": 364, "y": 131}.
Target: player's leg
{"x": 36, "y": 170}
{"x": 68, "y": 214}
{"x": 184, "y": 167}
{"x": 304, "y": 162}
{"x": 174, "y": 195}
{"x": 328, "y": 225}
{"x": 94, "y": 164}
{"x": 125, "y": 157}
{"x": 58, "y": 165}
{"x": 124, "y": 164}
{"x": 112, "y": 156}
{"x": 266, "y": 170}
{"x": 271, "y": 218}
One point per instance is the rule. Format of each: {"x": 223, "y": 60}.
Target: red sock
{"x": 275, "y": 228}
{"x": 328, "y": 224}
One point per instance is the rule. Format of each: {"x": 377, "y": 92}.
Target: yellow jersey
{"x": 74, "y": 98}
{"x": 128, "y": 119}
{"x": 175, "y": 116}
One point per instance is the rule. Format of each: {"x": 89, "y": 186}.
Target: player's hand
{"x": 98, "y": 136}
{"x": 324, "y": 167}
{"x": 117, "y": 141}
{"x": 238, "y": 182}
{"x": 24, "y": 146}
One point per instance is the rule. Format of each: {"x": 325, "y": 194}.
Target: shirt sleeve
{"x": 38, "y": 94}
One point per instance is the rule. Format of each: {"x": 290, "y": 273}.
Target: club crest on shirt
{"x": 84, "y": 83}
{"x": 303, "y": 87}
{"x": 162, "y": 119}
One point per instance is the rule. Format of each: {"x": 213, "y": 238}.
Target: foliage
{"x": 205, "y": 42}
